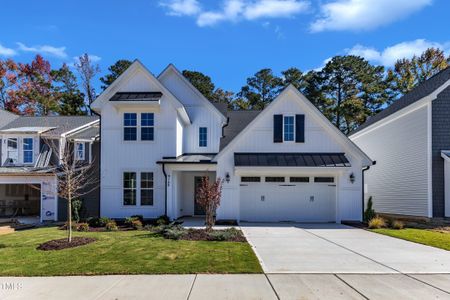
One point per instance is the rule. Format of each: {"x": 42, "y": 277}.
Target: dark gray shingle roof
{"x": 291, "y": 160}
{"x": 89, "y": 133}
{"x": 6, "y": 117}
{"x": 422, "y": 90}
{"x": 221, "y": 107}
{"x": 237, "y": 121}
{"x": 62, "y": 124}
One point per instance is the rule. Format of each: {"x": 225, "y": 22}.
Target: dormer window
{"x": 27, "y": 150}
{"x": 79, "y": 151}
{"x": 288, "y": 127}
{"x": 147, "y": 126}
{"x": 203, "y": 137}
{"x": 130, "y": 126}
{"x": 12, "y": 153}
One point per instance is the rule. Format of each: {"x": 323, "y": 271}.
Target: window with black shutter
{"x": 277, "y": 128}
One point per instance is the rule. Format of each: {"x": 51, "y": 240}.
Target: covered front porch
{"x": 183, "y": 176}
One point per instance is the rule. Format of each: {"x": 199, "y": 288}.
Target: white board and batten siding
{"x": 348, "y": 196}
{"x": 399, "y": 181}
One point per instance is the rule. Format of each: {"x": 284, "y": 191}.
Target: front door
{"x": 198, "y": 210}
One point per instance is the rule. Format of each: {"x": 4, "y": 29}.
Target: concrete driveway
{"x": 339, "y": 249}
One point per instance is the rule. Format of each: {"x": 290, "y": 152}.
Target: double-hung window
{"x": 289, "y": 128}
{"x": 146, "y": 188}
{"x": 27, "y": 144}
{"x": 147, "y": 126}
{"x": 129, "y": 188}
{"x": 130, "y": 126}
{"x": 203, "y": 137}
{"x": 12, "y": 150}
{"x": 79, "y": 151}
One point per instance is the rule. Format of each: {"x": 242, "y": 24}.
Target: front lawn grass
{"x": 421, "y": 236}
{"x": 122, "y": 252}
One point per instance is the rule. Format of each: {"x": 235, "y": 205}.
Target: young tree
{"x": 75, "y": 179}
{"x": 70, "y": 98}
{"x": 87, "y": 71}
{"x": 408, "y": 73}
{"x": 8, "y": 83}
{"x": 115, "y": 71}
{"x": 208, "y": 197}
{"x": 261, "y": 89}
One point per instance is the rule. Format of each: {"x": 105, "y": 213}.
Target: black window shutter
{"x": 277, "y": 128}
{"x": 299, "y": 128}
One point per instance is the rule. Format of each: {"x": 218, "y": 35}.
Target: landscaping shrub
{"x": 111, "y": 226}
{"x": 224, "y": 235}
{"x": 136, "y": 224}
{"x": 369, "y": 214}
{"x": 138, "y": 217}
{"x": 376, "y": 223}
{"x": 396, "y": 224}
{"x": 173, "y": 233}
{"x": 162, "y": 220}
{"x": 76, "y": 208}
{"x": 98, "y": 222}
{"x": 84, "y": 227}
{"x": 64, "y": 227}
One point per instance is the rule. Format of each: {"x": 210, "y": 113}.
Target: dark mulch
{"x": 63, "y": 244}
{"x": 203, "y": 235}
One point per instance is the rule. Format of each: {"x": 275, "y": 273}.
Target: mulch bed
{"x": 63, "y": 244}
{"x": 202, "y": 235}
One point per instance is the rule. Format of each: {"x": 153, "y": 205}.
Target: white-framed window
{"x": 129, "y": 188}
{"x": 12, "y": 151}
{"x": 203, "y": 137}
{"x": 147, "y": 126}
{"x": 146, "y": 188}
{"x": 130, "y": 126}
{"x": 288, "y": 128}
{"x": 79, "y": 151}
{"x": 27, "y": 146}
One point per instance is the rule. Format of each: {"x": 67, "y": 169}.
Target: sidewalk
{"x": 241, "y": 286}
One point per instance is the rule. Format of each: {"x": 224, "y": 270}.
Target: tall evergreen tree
{"x": 202, "y": 82}
{"x": 70, "y": 98}
{"x": 115, "y": 71}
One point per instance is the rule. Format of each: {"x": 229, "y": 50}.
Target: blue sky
{"x": 226, "y": 39}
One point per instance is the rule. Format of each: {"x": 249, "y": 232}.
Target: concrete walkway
{"x": 260, "y": 286}
{"x": 339, "y": 249}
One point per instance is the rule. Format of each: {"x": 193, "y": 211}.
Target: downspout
{"x": 99, "y": 160}
{"x": 165, "y": 189}
{"x": 362, "y": 198}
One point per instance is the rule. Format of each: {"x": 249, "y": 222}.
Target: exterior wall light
{"x": 352, "y": 178}
{"x": 227, "y": 177}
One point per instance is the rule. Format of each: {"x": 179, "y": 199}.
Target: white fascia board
{"x": 335, "y": 132}
{"x": 172, "y": 68}
{"x": 445, "y": 155}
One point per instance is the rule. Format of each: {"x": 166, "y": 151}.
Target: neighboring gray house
{"x": 410, "y": 142}
{"x": 27, "y": 181}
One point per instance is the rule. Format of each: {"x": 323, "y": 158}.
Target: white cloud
{"x": 4, "y": 51}
{"x": 390, "y": 55}
{"x": 359, "y": 15}
{"x": 236, "y": 10}
{"x": 44, "y": 49}
{"x": 182, "y": 7}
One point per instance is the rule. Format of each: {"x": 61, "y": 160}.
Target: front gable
{"x": 319, "y": 135}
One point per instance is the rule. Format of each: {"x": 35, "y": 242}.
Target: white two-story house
{"x": 160, "y": 136}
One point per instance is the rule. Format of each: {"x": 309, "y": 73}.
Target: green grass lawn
{"x": 421, "y": 236}
{"x": 125, "y": 252}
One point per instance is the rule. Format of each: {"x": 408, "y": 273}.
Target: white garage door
{"x": 313, "y": 201}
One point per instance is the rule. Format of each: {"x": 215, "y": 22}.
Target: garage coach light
{"x": 352, "y": 178}
{"x": 227, "y": 177}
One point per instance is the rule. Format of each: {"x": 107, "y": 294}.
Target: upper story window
{"x": 130, "y": 126}
{"x": 147, "y": 126}
{"x": 12, "y": 151}
{"x": 27, "y": 150}
{"x": 288, "y": 127}
{"x": 203, "y": 137}
{"x": 79, "y": 151}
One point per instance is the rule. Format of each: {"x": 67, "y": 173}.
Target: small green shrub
{"x": 377, "y": 223}
{"x": 162, "y": 220}
{"x": 138, "y": 217}
{"x": 66, "y": 225}
{"x": 136, "y": 224}
{"x": 111, "y": 226}
{"x": 396, "y": 224}
{"x": 98, "y": 222}
{"x": 173, "y": 233}
{"x": 223, "y": 235}
{"x": 369, "y": 213}
{"x": 76, "y": 209}
{"x": 84, "y": 227}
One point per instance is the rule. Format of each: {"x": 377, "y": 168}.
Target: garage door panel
{"x": 269, "y": 202}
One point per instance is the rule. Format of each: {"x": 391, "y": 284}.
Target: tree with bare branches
{"x": 87, "y": 70}
{"x": 208, "y": 197}
{"x": 75, "y": 179}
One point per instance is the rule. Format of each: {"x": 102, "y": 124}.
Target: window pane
{"x": 129, "y": 180}
{"x": 299, "y": 179}
{"x": 147, "y": 180}
{"x": 147, "y": 133}
{"x": 130, "y": 119}
{"x": 250, "y": 179}
{"x": 129, "y": 197}
{"x": 147, "y": 119}
{"x": 146, "y": 197}
{"x": 274, "y": 179}
{"x": 289, "y": 128}
{"x": 203, "y": 136}
{"x": 28, "y": 144}
{"x": 129, "y": 133}
{"x": 27, "y": 150}
{"x": 323, "y": 179}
